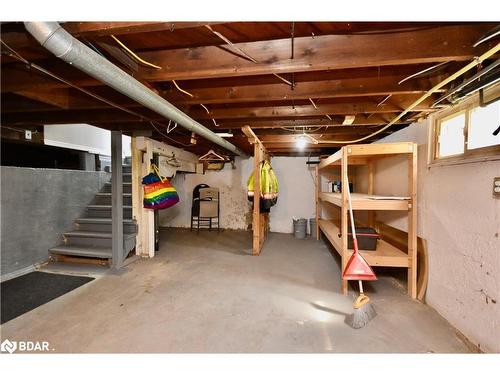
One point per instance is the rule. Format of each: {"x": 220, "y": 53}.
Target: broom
{"x": 358, "y": 269}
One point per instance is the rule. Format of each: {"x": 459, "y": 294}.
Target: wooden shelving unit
{"x": 336, "y": 230}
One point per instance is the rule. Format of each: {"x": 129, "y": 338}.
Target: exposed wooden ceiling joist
{"x": 55, "y": 98}
{"x": 447, "y": 43}
{"x": 120, "y": 28}
{"x": 346, "y": 69}
{"x": 278, "y": 123}
{"x": 275, "y": 127}
{"x": 300, "y": 110}
{"x": 302, "y": 90}
{"x": 249, "y": 113}
{"x": 292, "y": 138}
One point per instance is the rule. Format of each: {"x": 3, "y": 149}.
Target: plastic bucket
{"x": 312, "y": 227}
{"x": 299, "y": 228}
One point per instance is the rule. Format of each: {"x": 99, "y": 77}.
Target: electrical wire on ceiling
{"x": 14, "y": 54}
{"x": 19, "y": 130}
{"x": 17, "y": 56}
{"x": 205, "y": 108}
{"x": 169, "y": 138}
{"x": 304, "y": 128}
{"x": 243, "y": 54}
{"x": 181, "y": 90}
{"x": 314, "y": 104}
{"x": 422, "y": 72}
{"x": 468, "y": 81}
{"x": 489, "y": 35}
{"x": 208, "y": 112}
{"x": 134, "y": 55}
{"x": 384, "y": 100}
{"x": 191, "y": 95}
{"x": 434, "y": 89}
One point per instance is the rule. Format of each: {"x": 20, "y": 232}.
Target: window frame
{"x": 465, "y": 106}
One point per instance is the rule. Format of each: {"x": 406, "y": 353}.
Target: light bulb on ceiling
{"x": 301, "y": 142}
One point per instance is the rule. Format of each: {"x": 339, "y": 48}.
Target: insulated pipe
{"x": 63, "y": 45}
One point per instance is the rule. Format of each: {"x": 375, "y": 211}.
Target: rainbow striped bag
{"x": 159, "y": 193}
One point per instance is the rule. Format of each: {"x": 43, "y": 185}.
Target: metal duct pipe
{"x": 63, "y": 45}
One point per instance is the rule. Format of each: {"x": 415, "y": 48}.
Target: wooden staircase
{"x": 90, "y": 241}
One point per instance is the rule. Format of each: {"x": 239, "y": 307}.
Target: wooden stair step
{"x": 91, "y": 220}
{"x": 82, "y": 251}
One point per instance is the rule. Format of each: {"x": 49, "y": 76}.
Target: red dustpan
{"x": 357, "y": 267}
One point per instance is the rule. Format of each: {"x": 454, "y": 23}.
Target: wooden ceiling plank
{"x": 299, "y": 110}
{"x": 273, "y": 124}
{"x": 292, "y": 138}
{"x": 121, "y": 28}
{"x": 117, "y": 116}
{"x": 446, "y": 43}
{"x": 57, "y": 98}
{"x": 303, "y": 90}
{"x": 118, "y": 54}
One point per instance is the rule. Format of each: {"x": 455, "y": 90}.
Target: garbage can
{"x": 300, "y": 228}
{"x": 312, "y": 227}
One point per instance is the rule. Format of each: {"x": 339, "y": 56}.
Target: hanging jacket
{"x": 268, "y": 187}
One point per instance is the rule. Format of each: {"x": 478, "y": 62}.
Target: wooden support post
{"x": 371, "y": 213}
{"x": 318, "y": 204}
{"x": 412, "y": 223}
{"x": 137, "y": 194}
{"x": 256, "y": 226}
{"x": 148, "y": 218}
{"x": 117, "y": 198}
{"x": 260, "y": 221}
{"x": 344, "y": 223}
{"x": 141, "y": 164}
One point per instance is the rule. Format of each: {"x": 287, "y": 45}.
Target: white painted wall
{"x": 235, "y": 209}
{"x": 83, "y": 137}
{"x": 296, "y": 196}
{"x": 296, "y": 193}
{"x": 460, "y": 220}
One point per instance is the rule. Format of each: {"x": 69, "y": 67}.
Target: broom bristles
{"x": 361, "y": 316}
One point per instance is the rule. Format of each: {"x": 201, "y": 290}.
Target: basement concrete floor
{"x": 205, "y": 293}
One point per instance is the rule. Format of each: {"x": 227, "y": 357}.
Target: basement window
{"x": 467, "y": 132}
{"x": 451, "y": 135}
{"x": 482, "y": 123}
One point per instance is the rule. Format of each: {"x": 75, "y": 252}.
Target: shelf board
{"x": 386, "y": 254}
{"x": 333, "y": 159}
{"x": 363, "y": 202}
{"x": 361, "y": 154}
{"x": 374, "y": 149}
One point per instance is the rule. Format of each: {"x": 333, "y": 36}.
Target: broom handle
{"x": 360, "y": 283}
{"x": 354, "y": 239}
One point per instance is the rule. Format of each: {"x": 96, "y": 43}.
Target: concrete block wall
{"x": 37, "y": 206}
